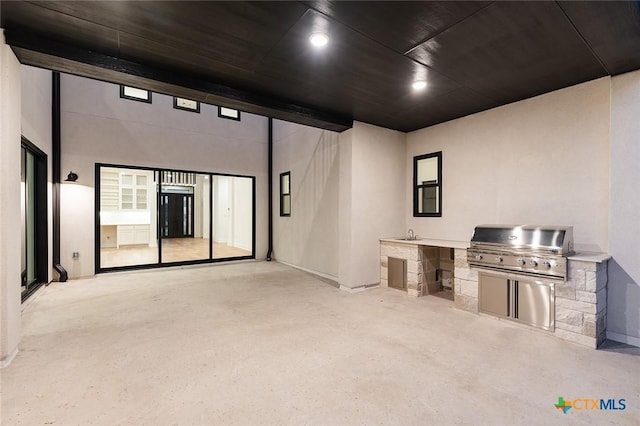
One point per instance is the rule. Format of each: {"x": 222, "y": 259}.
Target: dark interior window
{"x": 285, "y": 194}
{"x": 427, "y": 185}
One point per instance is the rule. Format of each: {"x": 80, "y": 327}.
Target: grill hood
{"x": 531, "y": 238}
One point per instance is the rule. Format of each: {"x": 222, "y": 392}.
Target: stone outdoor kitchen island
{"x": 580, "y": 301}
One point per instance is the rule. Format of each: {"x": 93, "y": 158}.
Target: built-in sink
{"x": 411, "y": 236}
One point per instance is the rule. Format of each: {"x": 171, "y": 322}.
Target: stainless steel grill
{"x": 527, "y": 249}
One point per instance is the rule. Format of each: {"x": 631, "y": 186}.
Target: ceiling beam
{"x": 32, "y": 49}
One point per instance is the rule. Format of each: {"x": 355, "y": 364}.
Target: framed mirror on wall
{"x": 427, "y": 185}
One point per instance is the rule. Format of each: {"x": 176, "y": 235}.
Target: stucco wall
{"x": 623, "y": 307}
{"x": 543, "y": 160}
{"x": 36, "y": 126}
{"x": 373, "y": 197}
{"x": 309, "y": 237}
{"x": 99, "y": 127}
{"x": 345, "y": 212}
{"x": 10, "y": 111}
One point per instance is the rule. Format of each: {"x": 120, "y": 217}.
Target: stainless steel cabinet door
{"x": 534, "y": 304}
{"x": 397, "y": 273}
{"x": 494, "y": 295}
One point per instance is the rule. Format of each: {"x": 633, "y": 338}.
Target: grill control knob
{"x": 534, "y": 263}
{"x": 479, "y": 257}
{"x": 521, "y": 262}
{"x": 499, "y": 259}
{"x": 547, "y": 264}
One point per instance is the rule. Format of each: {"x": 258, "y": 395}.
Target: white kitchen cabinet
{"x": 108, "y": 236}
{"x": 109, "y": 190}
{"x": 133, "y": 235}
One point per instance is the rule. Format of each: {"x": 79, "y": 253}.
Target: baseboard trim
{"x": 311, "y": 271}
{"x": 5, "y": 362}
{"x": 332, "y": 278}
{"x": 352, "y": 289}
{"x": 359, "y": 288}
{"x": 623, "y": 338}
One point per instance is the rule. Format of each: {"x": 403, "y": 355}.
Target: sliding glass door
{"x": 185, "y": 216}
{"x": 127, "y": 217}
{"x": 33, "y": 218}
{"x": 154, "y": 217}
{"x": 232, "y": 217}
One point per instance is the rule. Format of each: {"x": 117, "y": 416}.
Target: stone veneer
{"x": 422, "y": 262}
{"x": 465, "y": 283}
{"x": 580, "y": 302}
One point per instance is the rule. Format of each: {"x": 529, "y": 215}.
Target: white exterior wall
{"x": 36, "y": 126}
{"x": 345, "y": 209}
{"x": 543, "y": 160}
{"x": 373, "y": 197}
{"x": 10, "y": 111}
{"x": 99, "y": 127}
{"x": 623, "y": 298}
{"x": 307, "y": 239}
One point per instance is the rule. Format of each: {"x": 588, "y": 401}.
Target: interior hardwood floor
{"x": 173, "y": 250}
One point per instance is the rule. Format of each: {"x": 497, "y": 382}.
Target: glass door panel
{"x": 127, "y": 199}
{"x": 33, "y": 219}
{"x": 185, "y": 216}
{"x": 141, "y": 199}
{"x": 232, "y": 217}
{"x": 128, "y": 228}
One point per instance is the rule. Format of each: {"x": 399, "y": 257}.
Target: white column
{"x": 10, "y": 113}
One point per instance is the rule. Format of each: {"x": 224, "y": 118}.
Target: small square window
{"x": 232, "y": 114}
{"x": 186, "y": 104}
{"x": 135, "y": 94}
{"x": 285, "y": 194}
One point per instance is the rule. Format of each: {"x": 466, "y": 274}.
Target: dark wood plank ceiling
{"x": 255, "y": 56}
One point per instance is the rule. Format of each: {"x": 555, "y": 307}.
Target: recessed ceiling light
{"x": 419, "y": 85}
{"x": 319, "y": 39}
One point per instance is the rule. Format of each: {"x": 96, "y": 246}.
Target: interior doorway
{"x": 177, "y": 215}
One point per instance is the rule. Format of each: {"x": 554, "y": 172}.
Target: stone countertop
{"x": 586, "y": 256}
{"x": 428, "y": 242}
{"x": 579, "y": 256}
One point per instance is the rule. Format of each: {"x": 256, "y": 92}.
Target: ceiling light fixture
{"x": 319, "y": 39}
{"x": 419, "y": 85}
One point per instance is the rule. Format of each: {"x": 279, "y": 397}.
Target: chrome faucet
{"x": 411, "y": 235}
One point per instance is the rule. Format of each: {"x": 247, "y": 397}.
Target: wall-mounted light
{"x": 71, "y": 177}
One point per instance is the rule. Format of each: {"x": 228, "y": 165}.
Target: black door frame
{"x": 159, "y": 263}
{"x": 41, "y": 207}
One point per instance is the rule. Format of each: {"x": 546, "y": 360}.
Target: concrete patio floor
{"x": 261, "y": 343}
